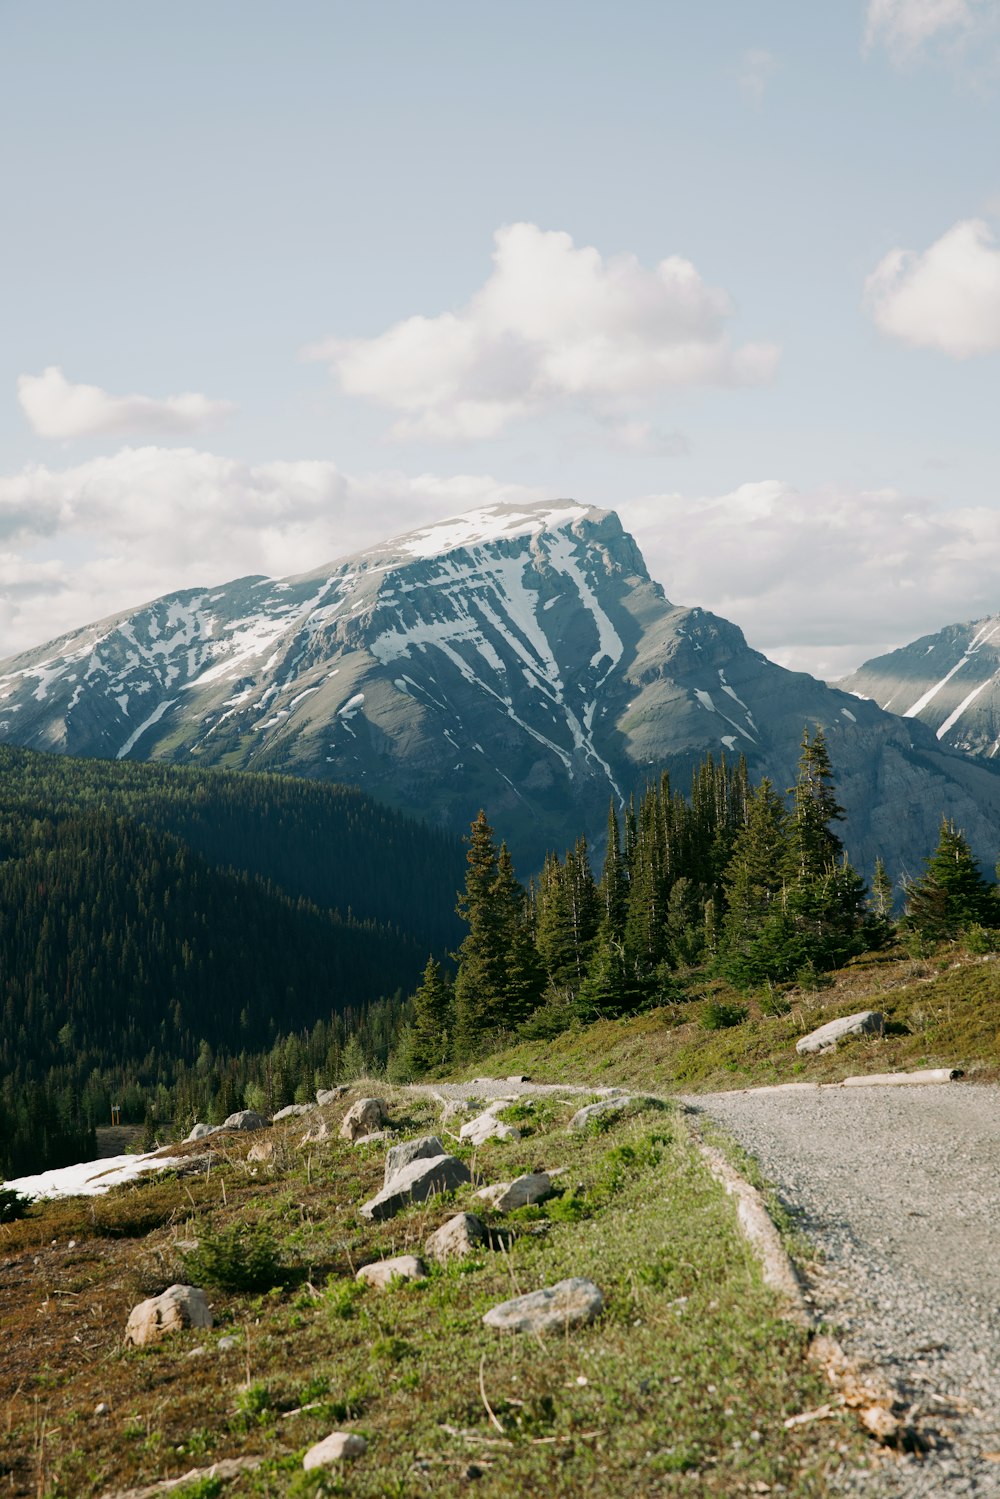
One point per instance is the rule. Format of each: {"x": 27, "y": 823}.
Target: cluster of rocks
{"x": 251, "y": 1119}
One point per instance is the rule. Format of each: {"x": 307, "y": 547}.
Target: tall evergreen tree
{"x": 433, "y": 1019}
{"x": 816, "y": 846}
{"x": 951, "y": 893}
{"x": 479, "y": 984}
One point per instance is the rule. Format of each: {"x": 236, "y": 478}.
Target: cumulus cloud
{"x": 553, "y": 325}
{"x": 56, "y": 407}
{"x": 151, "y": 520}
{"x": 909, "y": 29}
{"x": 822, "y": 580}
{"x": 757, "y": 68}
{"x": 947, "y": 298}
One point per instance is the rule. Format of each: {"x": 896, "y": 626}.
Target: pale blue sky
{"x": 194, "y": 192}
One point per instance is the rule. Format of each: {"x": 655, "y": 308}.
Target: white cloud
{"x": 947, "y": 298}
{"x": 553, "y": 324}
{"x": 80, "y": 543}
{"x": 56, "y": 407}
{"x": 908, "y": 29}
{"x": 757, "y": 68}
{"x": 822, "y": 580}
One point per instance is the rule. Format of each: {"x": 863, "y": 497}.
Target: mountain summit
{"x": 518, "y": 658}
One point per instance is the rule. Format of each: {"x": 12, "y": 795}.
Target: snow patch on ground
{"x": 89, "y": 1178}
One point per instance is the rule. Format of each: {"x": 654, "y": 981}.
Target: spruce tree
{"x": 433, "y": 1019}
{"x": 816, "y": 846}
{"x": 479, "y": 983}
{"x": 951, "y": 894}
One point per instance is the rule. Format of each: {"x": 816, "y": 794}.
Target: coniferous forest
{"x": 187, "y": 943}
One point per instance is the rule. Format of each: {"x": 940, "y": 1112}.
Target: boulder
{"x": 262, "y": 1151}
{"x": 329, "y": 1095}
{"x": 421, "y": 1149}
{"x": 454, "y": 1108}
{"x": 382, "y": 1272}
{"x": 200, "y": 1131}
{"x": 583, "y": 1116}
{"x": 320, "y": 1131}
{"x": 334, "y": 1449}
{"x": 488, "y": 1127}
{"x": 176, "y": 1308}
{"x": 363, "y": 1117}
{"x": 246, "y": 1119}
{"x": 292, "y": 1111}
{"x": 520, "y": 1193}
{"x": 566, "y": 1304}
{"x": 864, "y": 1023}
{"x": 415, "y": 1183}
{"x": 461, "y": 1235}
{"x": 372, "y": 1139}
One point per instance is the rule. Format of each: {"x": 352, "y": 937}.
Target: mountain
{"x": 949, "y": 681}
{"x": 518, "y": 658}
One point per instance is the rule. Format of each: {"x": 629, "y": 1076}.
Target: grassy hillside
{"x": 942, "y": 1011}
{"x": 682, "y": 1386}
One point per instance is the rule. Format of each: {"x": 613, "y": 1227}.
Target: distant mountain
{"x": 518, "y": 658}
{"x": 949, "y": 681}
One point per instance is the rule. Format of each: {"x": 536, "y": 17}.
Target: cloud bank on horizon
{"x": 56, "y": 407}
{"x": 819, "y": 581}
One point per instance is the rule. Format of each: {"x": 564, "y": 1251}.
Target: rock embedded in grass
{"x": 329, "y": 1095}
{"x": 422, "y": 1149}
{"x": 583, "y": 1116}
{"x": 520, "y": 1193}
{"x": 568, "y": 1303}
{"x": 415, "y": 1183}
{"x": 825, "y": 1038}
{"x": 334, "y": 1449}
{"x": 292, "y": 1111}
{"x": 200, "y": 1131}
{"x": 262, "y": 1151}
{"x": 461, "y": 1235}
{"x": 175, "y": 1309}
{"x": 488, "y": 1127}
{"x": 364, "y": 1116}
{"x": 317, "y": 1134}
{"x": 382, "y": 1272}
{"x": 246, "y": 1119}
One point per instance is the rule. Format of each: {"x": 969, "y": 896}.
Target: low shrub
{"x": 719, "y": 1016}
{"x": 234, "y": 1259}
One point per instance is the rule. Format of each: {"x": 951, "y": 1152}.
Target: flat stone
{"x": 415, "y": 1183}
{"x": 520, "y": 1193}
{"x": 461, "y": 1235}
{"x": 372, "y": 1139}
{"x": 864, "y": 1023}
{"x": 488, "y": 1127}
{"x": 200, "y": 1131}
{"x": 174, "y": 1309}
{"x": 329, "y": 1095}
{"x": 403, "y": 1267}
{"x": 583, "y": 1116}
{"x": 566, "y": 1304}
{"x": 422, "y": 1149}
{"x": 292, "y": 1111}
{"x": 334, "y": 1449}
{"x": 247, "y": 1119}
{"x": 362, "y": 1117}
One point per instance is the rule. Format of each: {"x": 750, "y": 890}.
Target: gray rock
{"x": 329, "y": 1095}
{"x": 454, "y": 1108}
{"x": 421, "y": 1149}
{"x": 583, "y": 1116}
{"x": 461, "y": 1235}
{"x": 262, "y": 1151}
{"x": 566, "y": 1304}
{"x": 519, "y": 1077}
{"x": 488, "y": 1127}
{"x": 415, "y": 1183}
{"x": 520, "y": 1193}
{"x": 319, "y": 1132}
{"x": 382, "y": 1272}
{"x": 362, "y": 1117}
{"x": 334, "y": 1449}
{"x": 176, "y": 1308}
{"x": 200, "y": 1131}
{"x": 246, "y": 1119}
{"x": 292, "y": 1111}
{"x": 226, "y": 1345}
{"x": 864, "y": 1023}
{"x": 372, "y": 1139}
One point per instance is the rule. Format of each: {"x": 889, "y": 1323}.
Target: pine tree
{"x": 479, "y": 984}
{"x": 951, "y": 894}
{"x": 756, "y": 926}
{"x": 433, "y": 1019}
{"x": 522, "y": 978}
{"x": 613, "y": 889}
{"x": 816, "y": 846}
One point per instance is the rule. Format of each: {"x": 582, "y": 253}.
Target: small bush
{"x": 978, "y": 939}
{"x": 774, "y": 1004}
{"x": 253, "y": 1407}
{"x": 13, "y": 1205}
{"x": 718, "y": 1016}
{"x": 234, "y": 1259}
{"x": 810, "y": 980}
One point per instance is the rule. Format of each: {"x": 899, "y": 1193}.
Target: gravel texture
{"x": 899, "y": 1189}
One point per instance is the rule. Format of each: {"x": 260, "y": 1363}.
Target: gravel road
{"x": 900, "y": 1190}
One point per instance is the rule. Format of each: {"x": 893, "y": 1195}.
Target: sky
{"x": 281, "y": 281}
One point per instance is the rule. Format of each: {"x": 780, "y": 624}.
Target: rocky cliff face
{"x": 949, "y": 681}
{"x": 518, "y": 658}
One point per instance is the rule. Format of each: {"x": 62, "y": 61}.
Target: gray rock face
{"x": 461, "y": 1235}
{"x": 201, "y": 1131}
{"x": 865, "y": 1023}
{"x": 426, "y": 633}
{"x": 362, "y": 1118}
{"x": 566, "y": 1304}
{"x": 319, "y": 1132}
{"x": 583, "y": 1116}
{"x": 246, "y": 1119}
{"x": 329, "y": 1095}
{"x": 383, "y": 1272}
{"x": 415, "y": 1183}
{"x": 488, "y": 1127}
{"x": 176, "y": 1308}
{"x": 422, "y": 1149}
{"x": 521, "y": 1193}
{"x": 292, "y": 1111}
{"x": 335, "y": 1448}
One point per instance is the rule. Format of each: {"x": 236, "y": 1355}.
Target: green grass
{"x": 680, "y": 1388}
{"x": 942, "y": 1011}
